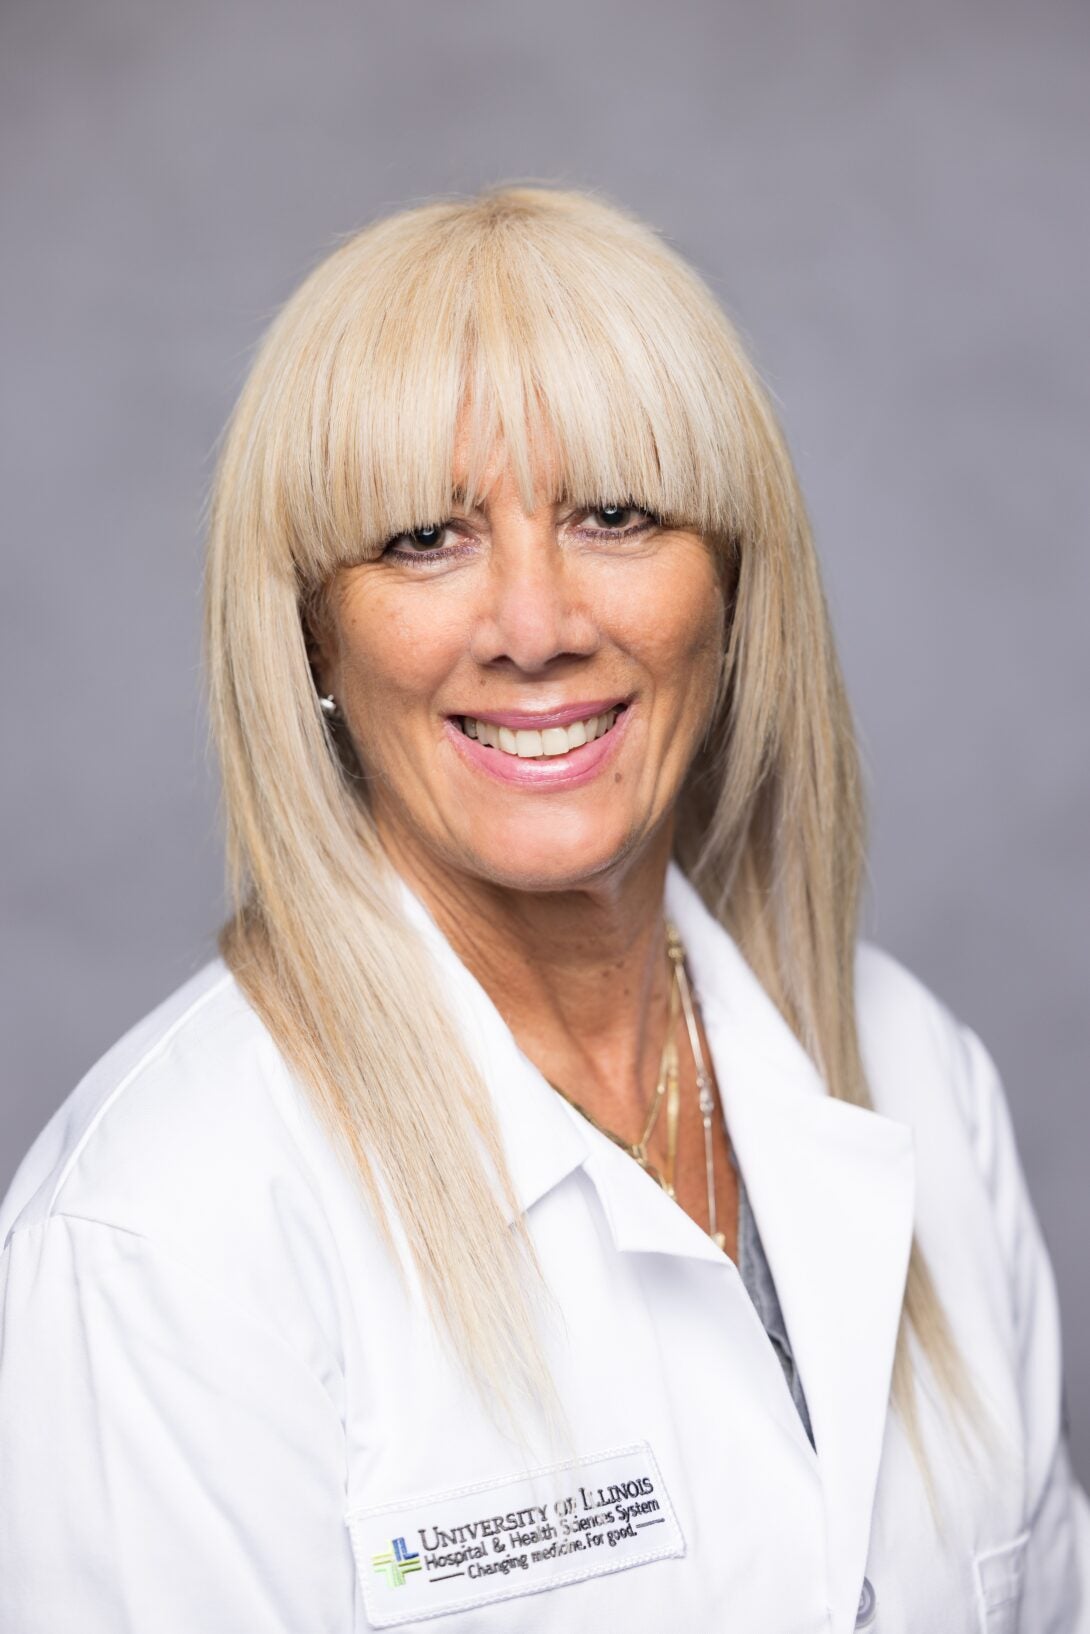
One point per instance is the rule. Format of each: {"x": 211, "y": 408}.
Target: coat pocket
{"x": 999, "y": 1573}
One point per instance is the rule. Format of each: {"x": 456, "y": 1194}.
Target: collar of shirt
{"x": 831, "y": 1186}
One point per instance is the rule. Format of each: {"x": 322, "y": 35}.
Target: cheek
{"x": 674, "y": 621}
{"x": 397, "y": 648}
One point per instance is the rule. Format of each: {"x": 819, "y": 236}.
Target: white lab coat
{"x": 222, "y": 1413}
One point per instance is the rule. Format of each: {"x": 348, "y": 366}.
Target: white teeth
{"x": 532, "y": 745}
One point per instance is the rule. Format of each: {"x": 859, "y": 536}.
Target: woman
{"x": 546, "y": 1213}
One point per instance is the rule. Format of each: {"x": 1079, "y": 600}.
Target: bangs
{"x": 570, "y": 337}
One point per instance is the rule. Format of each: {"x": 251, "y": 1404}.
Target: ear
{"x": 319, "y": 633}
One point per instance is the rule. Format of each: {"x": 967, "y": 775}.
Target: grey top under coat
{"x": 756, "y": 1275}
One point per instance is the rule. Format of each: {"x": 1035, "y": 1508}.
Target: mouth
{"x": 550, "y": 758}
{"x": 545, "y": 743}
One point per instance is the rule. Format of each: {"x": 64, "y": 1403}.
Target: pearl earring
{"x": 328, "y": 706}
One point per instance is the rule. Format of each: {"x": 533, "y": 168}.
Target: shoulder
{"x": 191, "y": 1140}
{"x": 923, "y": 1063}
{"x": 146, "y": 1118}
{"x": 930, "y": 1070}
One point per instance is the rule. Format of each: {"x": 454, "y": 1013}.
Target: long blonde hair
{"x": 548, "y": 312}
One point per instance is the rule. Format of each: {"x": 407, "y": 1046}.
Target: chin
{"x": 549, "y": 859}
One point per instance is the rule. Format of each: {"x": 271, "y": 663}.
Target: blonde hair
{"x": 544, "y": 313}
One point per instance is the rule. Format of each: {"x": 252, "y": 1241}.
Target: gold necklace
{"x": 667, "y": 1093}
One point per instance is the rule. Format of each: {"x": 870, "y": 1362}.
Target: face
{"x": 526, "y": 689}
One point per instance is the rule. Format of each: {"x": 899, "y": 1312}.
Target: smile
{"x": 534, "y": 745}
{"x": 545, "y": 759}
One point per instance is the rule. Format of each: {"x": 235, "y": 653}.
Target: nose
{"x": 534, "y": 605}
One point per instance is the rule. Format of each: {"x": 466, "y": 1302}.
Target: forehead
{"x": 482, "y": 463}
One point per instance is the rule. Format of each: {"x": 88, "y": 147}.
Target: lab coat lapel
{"x": 832, "y": 1189}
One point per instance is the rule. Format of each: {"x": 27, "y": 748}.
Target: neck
{"x": 579, "y": 974}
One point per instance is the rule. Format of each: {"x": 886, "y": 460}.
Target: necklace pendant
{"x": 719, "y": 1239}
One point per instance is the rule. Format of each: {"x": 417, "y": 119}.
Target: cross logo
{"x": 396, "y": 1563}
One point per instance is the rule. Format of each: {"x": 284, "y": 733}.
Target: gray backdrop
{"x": 891, "y": 200}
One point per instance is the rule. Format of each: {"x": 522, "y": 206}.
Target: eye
{"x": 422, "y": 546}
{"x": 428, "y": 539}
{"x": 611, "y": 518}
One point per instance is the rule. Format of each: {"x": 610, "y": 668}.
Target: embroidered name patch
{"x": 474, "y": 1545}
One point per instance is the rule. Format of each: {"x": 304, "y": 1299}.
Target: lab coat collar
{"x": 831, "y": 1186}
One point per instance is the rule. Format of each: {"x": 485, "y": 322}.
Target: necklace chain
{"x": 667, "y": 1092}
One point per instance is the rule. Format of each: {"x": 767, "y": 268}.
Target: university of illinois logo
{"x": 396, "y": 1563}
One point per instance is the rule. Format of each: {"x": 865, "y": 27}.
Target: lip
{"x": 531, "y": 720}
{"x": 544, "y": 772}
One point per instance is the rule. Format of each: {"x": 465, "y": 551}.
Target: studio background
{"x": 892, "y": 203}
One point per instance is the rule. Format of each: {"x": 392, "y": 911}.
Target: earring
{"x": 328, "y": 706}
